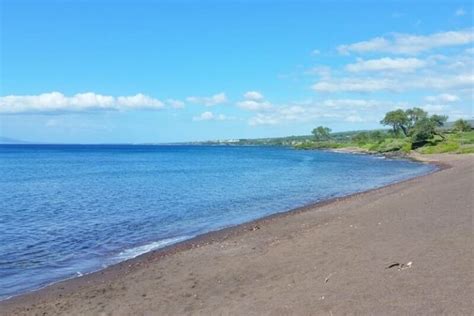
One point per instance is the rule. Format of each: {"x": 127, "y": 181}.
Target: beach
{"x": 402, "y": 249}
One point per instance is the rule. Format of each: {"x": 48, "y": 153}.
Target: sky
{"x": 174, "y": 71}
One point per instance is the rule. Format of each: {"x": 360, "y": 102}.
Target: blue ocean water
{"x": 66, "y": 210}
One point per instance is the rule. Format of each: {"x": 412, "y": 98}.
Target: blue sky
{"x": 166, "y": 71}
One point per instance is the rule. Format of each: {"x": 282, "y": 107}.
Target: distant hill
{"x": 7, "y": 140}
{"x": 449, "y": 125}
{"x": 269, "y": 141}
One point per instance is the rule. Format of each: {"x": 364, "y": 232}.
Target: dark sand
{"x": 329, "y": 259}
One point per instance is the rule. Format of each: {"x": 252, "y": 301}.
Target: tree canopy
{"x": 414, "y": 123}
{"x": 414, "y": 115}
{"x": 321, "y": 133}
{"x": 399, "y": 121}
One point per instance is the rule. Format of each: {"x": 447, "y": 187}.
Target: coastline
{"x": 231, "y": 230}
{"x": 412, "y": 155}
{"x": 393, "y": 155}
{"x": 187, "y": 242}
{"x": 43, "y": 299}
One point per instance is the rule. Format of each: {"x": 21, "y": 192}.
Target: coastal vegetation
{"x": 321, "y": 133}
{"x": 411, "y": 129}
{"x": 402, "y": 131}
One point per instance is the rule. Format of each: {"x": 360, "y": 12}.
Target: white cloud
{"x": 321, "y": 71}
{"x": 290, "y": 114}
{"x": 375, "y": 44}
{"x": 254, "y": 105}
{"x": 57, "y": 102}
{"x": 409, "y": 44}
{"x": 254, "y": 101}
{"x": 315, "y": 52}
{"x": 253, "y": 95}
{"x": 177, "y": 104}
{"x": 363, "y": 85}
{"x": 330, "y": 110}
{"x": 209, "y": 116}
{"x": 460, "y": 12}
{"x": 376, "y": 84}
{"x": 263, "y": 119}
{"x": 435, "y": 73}
{"x": 138, "y": 101}
{"x": 387, "y": 64}
{"x": 215, "y": 99}
{"x": 443, "y": 97}
{"x": 281, "y": 115}
{"x": 456, "y": 81}
{"x": 346, "y": 104}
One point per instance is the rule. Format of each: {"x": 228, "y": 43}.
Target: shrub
{"x": 443, "y": 147}
{"x": 462, "y": 126}
{"x": 393, "y": 144}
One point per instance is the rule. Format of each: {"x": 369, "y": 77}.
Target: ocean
{"x": 67, "y": 210}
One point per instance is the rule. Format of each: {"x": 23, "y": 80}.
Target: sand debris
{"x": 326, "y": 280}
{"x": 405, "y": 266}
{"x": 401, "y": 266}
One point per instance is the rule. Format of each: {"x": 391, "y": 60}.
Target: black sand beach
{"x": 402, "y": 249}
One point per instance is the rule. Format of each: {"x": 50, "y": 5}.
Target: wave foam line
{"x": 136, "y": 251}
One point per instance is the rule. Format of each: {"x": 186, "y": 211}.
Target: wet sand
{"x": 327, "y": 259}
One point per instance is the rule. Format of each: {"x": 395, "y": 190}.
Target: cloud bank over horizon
{"x": 56, "y": 102}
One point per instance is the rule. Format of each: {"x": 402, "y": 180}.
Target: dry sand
{"x": 328, "y": 259}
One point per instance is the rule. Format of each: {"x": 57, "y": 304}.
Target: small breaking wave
{"x": 136, "y": 251}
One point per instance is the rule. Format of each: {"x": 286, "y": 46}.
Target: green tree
{"x": 426, "y": 128}
{"x": 361, "y": 138}
{"x": 321, "y": 133}
{"x": 398, "y": 120}
{"x": 462, "y": 126}
{"x": 376, "y": 136}
{"x": 439, "y": 120}
{"x": 414, "y": 115}
{"x": 423, "y": 130}
{"x": 411, "y": 120}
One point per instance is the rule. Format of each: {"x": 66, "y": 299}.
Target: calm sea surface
{"x": 66, "y": 210}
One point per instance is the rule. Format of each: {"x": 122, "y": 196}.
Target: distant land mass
{"x": 7, "y": 140}
{"x": 295, "y": 140}
{"x": 268, "y": 141}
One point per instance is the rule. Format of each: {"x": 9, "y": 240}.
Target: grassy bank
{"x": 384, "y": 142}
{"x": 460, "y": 143}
